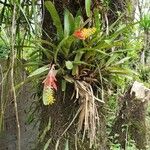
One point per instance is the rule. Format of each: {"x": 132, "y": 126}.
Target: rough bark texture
{"x": 60, "y": 114}
{"x": 29, "y": 132}
{"x": 115, "y": 6}
{"x": 131, "y": 121}
{"x": 63, "y": 110}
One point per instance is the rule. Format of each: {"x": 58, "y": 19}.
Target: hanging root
{"x": 88, "y": 117}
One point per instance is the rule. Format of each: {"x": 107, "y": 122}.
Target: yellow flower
{"x": 49, "y": 87}
{"x": 48, "y": 96}
{"x": 84, "y": 33}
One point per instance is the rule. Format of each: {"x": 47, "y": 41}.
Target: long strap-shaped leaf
{"x": 68, "y": 23}
{"x": 56, "y": 19}
{"x": 88, "y": 7}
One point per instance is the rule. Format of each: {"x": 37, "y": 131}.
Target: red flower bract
{"x": 51, "y": 80}
{"x": 79, "y": 34}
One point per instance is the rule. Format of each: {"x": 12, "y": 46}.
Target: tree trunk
{"x": 131, "y": 121}
{"x": 29, "y": 132}
{"x": 62, "y": 112}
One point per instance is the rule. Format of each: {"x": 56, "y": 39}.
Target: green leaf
{"x": 56, "y": 19}
{"x": 122, "y": 61}
{"x": 78, "y": 22}
{"x": 69, "y": 65}
{"x": 123, "y": 71}
{"x": 145, "y": 22}
{"x": 47, "y": 144}
{"x": 116, "y": 22}
{"x": 121, "y": 29}
{"x": 92, "y": 49}
{"x": 24, "y": 14}
{"x": 64, "y": 47}
{"x": 44, "y": 42}
{"x": 68, "y": 79}
{"x": 77, "y": 58}
{"x": 63, "y": 85}
{"x": 97, "y": 19}
{"x": 88, "y": 7}
{"x": 68, "y": 23}
{"x": 67, "y": 145}
{"x": 67, "y": 44}
{"x": 46, "y": 129}
{"x": 83, "y": 63}
{"x": 59, "y": 48}
{"x": 109, "y": 43}
{"x": 39, "y": 71}
{"x": 111, "y": 60}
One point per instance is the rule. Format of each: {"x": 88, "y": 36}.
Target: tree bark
{"x": 62, "y": 112}
{"x": 131, "y": 120}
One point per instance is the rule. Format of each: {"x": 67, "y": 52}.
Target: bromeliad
{"x": 49, "y": 86}
{"x": 84, "y": 33}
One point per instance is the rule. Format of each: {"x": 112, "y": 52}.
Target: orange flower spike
{"x": 84, "y": 33}
{"x": 78, "y": 34}
{"x": 51, "y": 80}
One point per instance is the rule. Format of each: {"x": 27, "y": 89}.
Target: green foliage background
{"x": 114, "y": 58}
